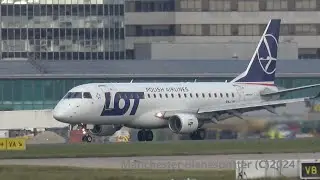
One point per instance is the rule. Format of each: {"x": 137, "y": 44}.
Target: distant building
{"x": 203, "y": 22}
{"x": 176, "y": 29}
{"x": 62, "y": 29}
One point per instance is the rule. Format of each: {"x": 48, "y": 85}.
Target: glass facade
{"x": 27, "y": 94}
{"x": 221, "y": 5}
{"x": 197, "y": 26}
{"x": 62, "y": 29}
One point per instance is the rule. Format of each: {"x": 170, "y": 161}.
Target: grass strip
{"x": 166, "y": 148}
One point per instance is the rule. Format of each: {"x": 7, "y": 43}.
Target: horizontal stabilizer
{"x": 280, "y": 92}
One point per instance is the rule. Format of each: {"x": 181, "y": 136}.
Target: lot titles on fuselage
{"x": 166, "y": 89}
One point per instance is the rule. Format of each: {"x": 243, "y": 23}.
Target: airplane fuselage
{"x": 136, "y": 105}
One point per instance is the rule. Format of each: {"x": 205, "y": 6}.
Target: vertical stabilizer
{"x": 262, "y": 67}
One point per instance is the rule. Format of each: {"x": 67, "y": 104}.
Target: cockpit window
{"x": 87, "y": 95}
{"x": 67, "y": 96}
{"x": 77, "y": 95}
{"x": 73, "y": 95}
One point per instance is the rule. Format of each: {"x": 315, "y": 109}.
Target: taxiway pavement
{"x": 160, "y": 162}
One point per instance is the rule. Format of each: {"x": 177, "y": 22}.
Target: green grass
{"x": 67, "y": 173}
{"x": 167, "y": 148}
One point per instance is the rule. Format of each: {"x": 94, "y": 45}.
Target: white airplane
{"x": 182, "y": 107}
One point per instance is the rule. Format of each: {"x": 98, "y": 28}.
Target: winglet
{"x": 316, "y": 96}
{"x": 309, "y": 100}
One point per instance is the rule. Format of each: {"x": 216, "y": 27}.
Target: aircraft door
{"x": 107, "y": 92}
{"x": 240, "y": 91}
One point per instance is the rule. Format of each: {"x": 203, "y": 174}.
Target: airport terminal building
{"x": 62, "y": 30}
{"x": 144, "y": 29}
{"x": 219, "y": 29}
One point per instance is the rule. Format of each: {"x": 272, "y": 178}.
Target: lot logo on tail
{"x": 266, "y": 59}
{"x": 262, "y": 67}
{"x": 190, "y": 123}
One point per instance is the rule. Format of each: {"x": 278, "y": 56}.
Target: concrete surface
{"x": 160, "y": 162}
{"x": 26, "y": 119}
{"x": 46, "y": 137}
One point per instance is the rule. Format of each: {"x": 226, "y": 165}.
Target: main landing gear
{"x": 145, "y": 135}
{"x": 199, "y": 134}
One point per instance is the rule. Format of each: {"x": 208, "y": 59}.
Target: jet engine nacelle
{"x": 104, "y": 130}
{"x": 183, "y": 123}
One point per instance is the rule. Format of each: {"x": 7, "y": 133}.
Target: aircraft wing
{"x": 237, "y": 108}
{"x": 289, "y": 90}
{"x": 250, "y": 106}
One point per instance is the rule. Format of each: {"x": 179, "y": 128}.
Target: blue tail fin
{"x": 262, "y": 67}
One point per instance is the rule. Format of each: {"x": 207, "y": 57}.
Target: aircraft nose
{"x": 60, "y": 114}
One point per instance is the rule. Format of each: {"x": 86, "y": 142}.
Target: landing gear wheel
{"x": 145, "y": 135}
{"x": 199, "y": 134}
{"x": 141, "y": 135}
{"x": 86, "y": 138}
{"x": 149, "y": 135}
{"x": 89, "y": 139}
{"x": 202, "y": 134}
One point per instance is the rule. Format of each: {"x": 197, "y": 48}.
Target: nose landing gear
{"x": 86, "y": 136}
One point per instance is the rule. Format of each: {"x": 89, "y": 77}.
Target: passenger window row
{"x": 185, "y": 95}
{"x": 130, "y": 96}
